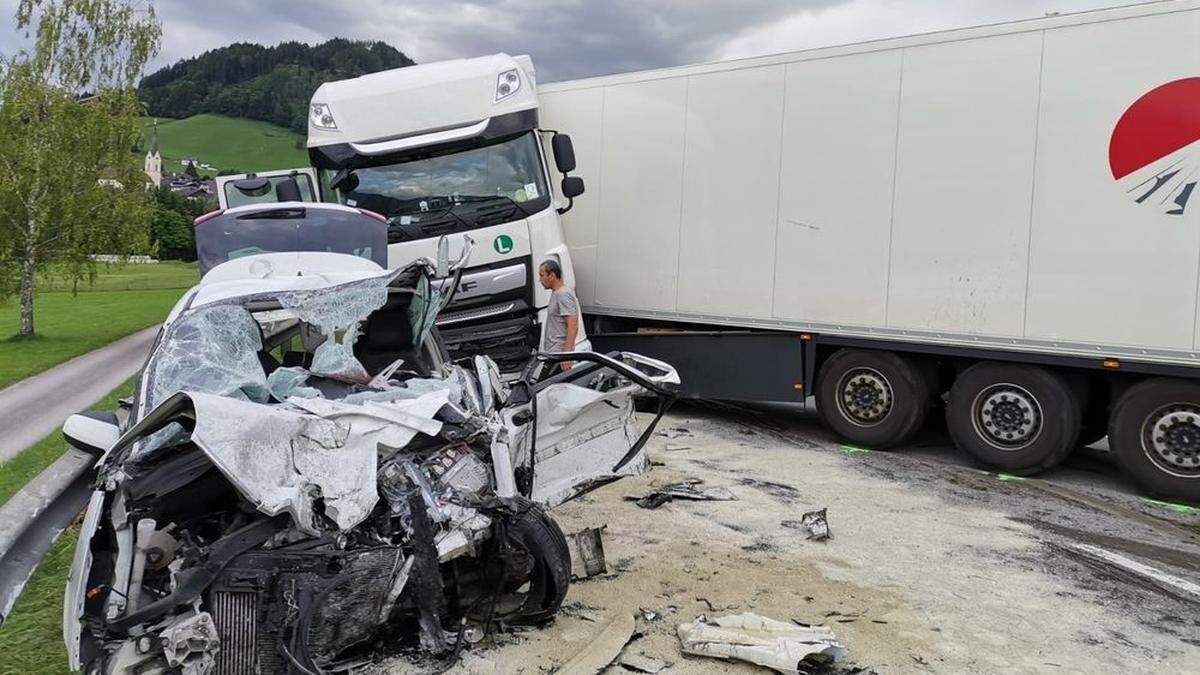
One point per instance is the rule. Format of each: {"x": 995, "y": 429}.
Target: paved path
{"x": 37, "y": 405}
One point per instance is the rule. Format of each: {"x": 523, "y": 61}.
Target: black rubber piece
{"x": 1125, "y": 436}
{"x": 533, "y": 529}
{"x": 1062, "y": 413}
{"x": 911, "y": 397}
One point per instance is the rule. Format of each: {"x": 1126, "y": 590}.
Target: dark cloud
{"x": 568, "y": 38}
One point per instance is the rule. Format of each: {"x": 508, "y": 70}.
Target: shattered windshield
{"x": 455, "y": 192}
{"x": 212, "y": 350}
{"x": 219, "y": 349}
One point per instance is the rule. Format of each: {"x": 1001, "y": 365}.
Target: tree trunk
{"x": 27, "y": 280}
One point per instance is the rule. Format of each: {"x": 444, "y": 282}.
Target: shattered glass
{"x": 333, "y": 310}
{"x": 290, "y": 381}
{"x": 213, "y": 350}
{"x": 423, "y": 310}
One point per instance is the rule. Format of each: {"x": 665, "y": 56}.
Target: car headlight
{"x": 507, "y": 84}
{"x": 321, "y": 117}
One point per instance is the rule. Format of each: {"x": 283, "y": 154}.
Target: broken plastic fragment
{"x": 749, "y": 637}
{"x": 816, "y": 524}
{"x": 686, "y": 489}
{"x": 587, "y": 553}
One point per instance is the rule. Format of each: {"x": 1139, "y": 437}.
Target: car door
{"x": 580, "y": 426}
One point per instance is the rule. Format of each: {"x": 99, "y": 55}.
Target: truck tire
{"x": 873, "y": 398}
{"x": 1155, "y": 435}
{"x": 1016, "y": 418}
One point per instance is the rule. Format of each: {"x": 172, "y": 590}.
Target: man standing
{"x": 562, "y": 314}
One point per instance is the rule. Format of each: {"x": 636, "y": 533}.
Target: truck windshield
{"x": 479, "y": 187}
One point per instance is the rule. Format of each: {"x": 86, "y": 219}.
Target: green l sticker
{"x": 503, "y": 244}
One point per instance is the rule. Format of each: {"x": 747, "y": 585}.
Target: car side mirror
{"x": 572, "y": 187}
{"x": 564, "y": 153}
{"x": 93, "y": 432}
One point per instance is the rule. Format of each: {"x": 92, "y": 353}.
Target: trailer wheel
{"x": 1016, "y": 418}
{"x": 1155, "y": 435}
{"x": 873, "y": 398}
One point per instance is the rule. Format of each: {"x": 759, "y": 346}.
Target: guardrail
{"x": 33, "y": 519}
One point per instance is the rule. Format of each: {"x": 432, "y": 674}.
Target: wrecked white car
{"x": 305, "y": 481}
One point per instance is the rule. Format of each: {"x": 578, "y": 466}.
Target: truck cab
{"x": 448, "y": 148}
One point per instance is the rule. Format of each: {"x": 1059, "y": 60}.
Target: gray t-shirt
{"x": 563, "y": 303}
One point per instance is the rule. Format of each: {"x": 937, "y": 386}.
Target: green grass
{"x": 128, "y": 277}
{"x": 226, "y": 143}
{"x": 31, "y": 638}
{"x": 67, "y": 325}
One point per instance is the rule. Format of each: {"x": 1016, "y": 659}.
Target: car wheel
{"x": 873, "y": 398}
{"x": 1016, "y": 418}
{"x": 1155, "y": 435}
{"x": 539, "y": 569}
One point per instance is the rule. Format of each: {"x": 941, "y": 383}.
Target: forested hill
{"x": 272, "y": 84}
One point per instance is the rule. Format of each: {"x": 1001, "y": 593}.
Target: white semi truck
{"x": 448, "y": 148}
{"x": 997, "y": 221}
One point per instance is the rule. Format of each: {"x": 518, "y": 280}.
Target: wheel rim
{"x": 864, "y": 397}
{"x": 1171, "y": 439}
{"x": 1007, "y": 416}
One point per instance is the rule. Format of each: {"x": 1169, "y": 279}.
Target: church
{"x": 153, "y": 166}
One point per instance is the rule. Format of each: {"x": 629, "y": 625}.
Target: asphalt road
{"x": 932, "y": 566}
{"x": 36, "y": 406}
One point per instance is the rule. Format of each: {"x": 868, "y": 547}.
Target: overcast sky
{"x": 571, "y": 38}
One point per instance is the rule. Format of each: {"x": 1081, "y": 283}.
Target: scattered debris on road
{"x": 587, "y": 553}
{"x": 686, "y": 489}
{"x": 784, "y": 647}
{"x": 640, "y": 663}
{"x": 816, "y": 524}
{"x": 604, "y": 648}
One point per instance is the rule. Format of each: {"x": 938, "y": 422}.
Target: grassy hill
{"x": 226, "y": 143}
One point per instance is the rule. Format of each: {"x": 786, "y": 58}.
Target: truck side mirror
{"x": 93, "y": 432}
{"x": 564, "y": 153}
{"x": 288, "y": 190}
{"x": 344, "y": 180}
{"x": 572, "y": 187}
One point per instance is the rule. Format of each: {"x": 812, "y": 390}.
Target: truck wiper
{"x": 418, "y": 228}
{"x": 483, "y": 199}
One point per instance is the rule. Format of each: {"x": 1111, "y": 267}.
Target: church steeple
{"x": 153, "y": 165}
{"x": 154, "y": 139}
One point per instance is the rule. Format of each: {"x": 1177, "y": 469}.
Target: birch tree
{"x": 70, "y": 185}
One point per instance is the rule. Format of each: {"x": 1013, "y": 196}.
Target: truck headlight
{"x": 507, "y": 84}
{"x": 321, "y": 116}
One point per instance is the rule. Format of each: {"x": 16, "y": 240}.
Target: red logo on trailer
{"x": 1151, "y": 151}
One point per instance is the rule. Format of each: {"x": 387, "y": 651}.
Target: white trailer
{"x": 1004, "y": 213}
